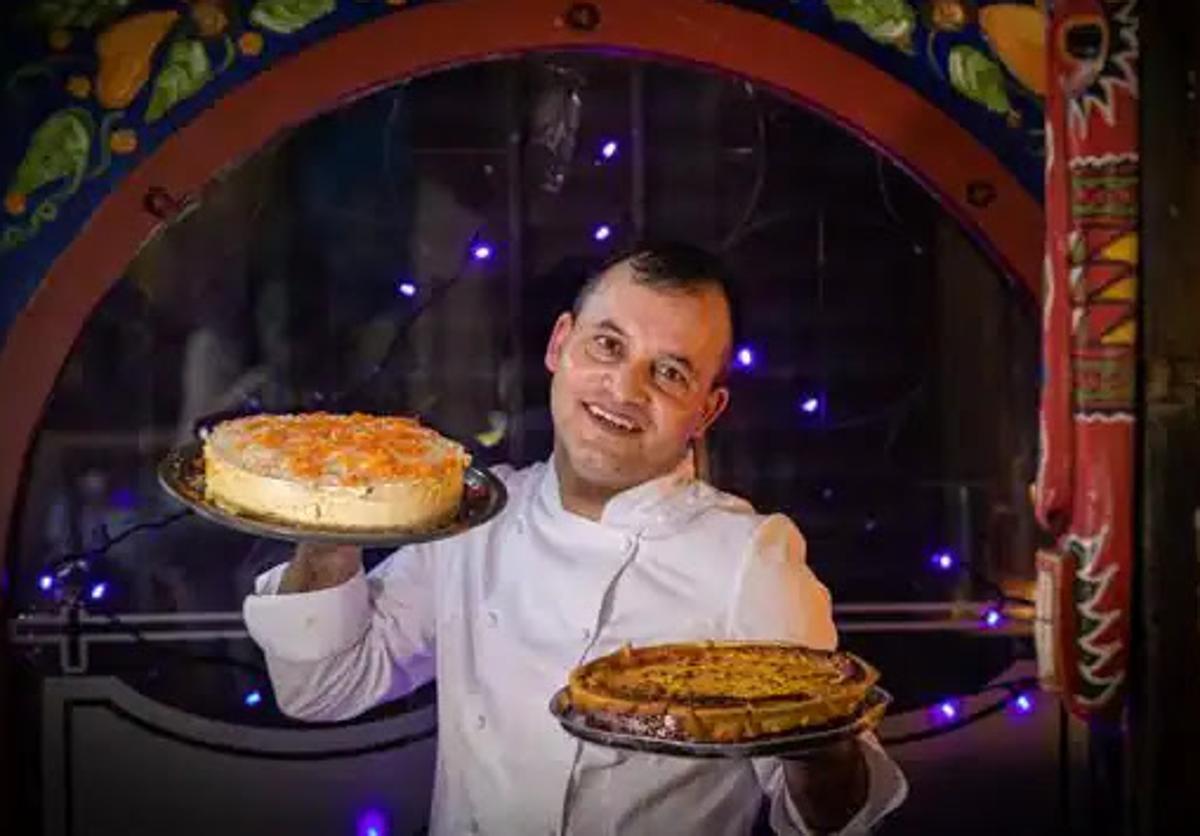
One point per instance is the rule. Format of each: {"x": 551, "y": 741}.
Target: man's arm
{"x": 828, "y": 787}
{"x": 338, "y": 642}
{"x": 778, "y": 597}
{"x": 316, "y": 566}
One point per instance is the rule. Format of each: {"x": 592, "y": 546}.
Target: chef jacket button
{"x": 519, "y": 525}
{"x": 587, "y": 633}
{"x": 474, "y": 826}
{"x": 492, "y": 618}
{"x": 628, "y": 543}
{"x": 480, "y": 722}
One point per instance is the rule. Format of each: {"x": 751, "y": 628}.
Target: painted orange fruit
{"x": 250, "y": 43}
{"x": 123, "y": 141}
{"x": 1017, "y": 34}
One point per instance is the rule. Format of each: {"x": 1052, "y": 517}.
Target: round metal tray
{"x": 793, "y": 743}
{"x": 181, "y": 474}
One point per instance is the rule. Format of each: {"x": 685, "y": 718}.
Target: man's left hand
{"x": 828, "y": 786}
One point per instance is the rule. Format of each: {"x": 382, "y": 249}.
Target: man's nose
{"x": 629, "y": 383}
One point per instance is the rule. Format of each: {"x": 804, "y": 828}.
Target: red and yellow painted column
{"x": 1085, "y": 481}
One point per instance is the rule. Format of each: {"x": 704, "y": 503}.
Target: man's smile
{"x": 612, "y": 420}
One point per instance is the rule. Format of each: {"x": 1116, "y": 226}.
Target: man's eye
{"x": 672, "y": 376}
{"x": 605, "y": 346}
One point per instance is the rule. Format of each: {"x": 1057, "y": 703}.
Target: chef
{"x": 612, "y": 540}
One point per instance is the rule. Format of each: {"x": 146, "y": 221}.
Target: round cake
{"x": 718, "y": 691}
{"x": 335, "y": 472}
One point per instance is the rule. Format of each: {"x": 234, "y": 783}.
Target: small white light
{"x": 609, "y": 149}
{"x": 407, "y": 289}
{"x": 372, "y": 823}
{"x": 943, "y": 561}
{"x": 745, "y": 357}
{"x": 98, "y": 591}
{"x": 253, "y": 698}
{"x": 947, "y": 710}
{"x": 482, "y": 252}
{"x": 602, "y": 232}
{"x": 45, "y": 582}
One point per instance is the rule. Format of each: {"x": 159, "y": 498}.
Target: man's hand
{"x": 828, "y": 786}
{"x": 320, "y": 566}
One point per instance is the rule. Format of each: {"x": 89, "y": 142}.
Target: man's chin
{"x": 604, "y": 472}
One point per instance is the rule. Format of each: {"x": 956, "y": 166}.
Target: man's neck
{"x": 577, "y": 496}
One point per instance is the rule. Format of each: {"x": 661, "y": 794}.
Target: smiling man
{"x": 636, "y": 367}
{"x": 613, "y": 540}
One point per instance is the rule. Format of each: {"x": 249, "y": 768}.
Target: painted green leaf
{"x": 284, "y": 17}
{"x": 58, "y": 150}
{"x": 885, "y": 21}
{"x": 185, "y": 70}
{"x": 77, "y": 14}
{"x": 979, "y": 78}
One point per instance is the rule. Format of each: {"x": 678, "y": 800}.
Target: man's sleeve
{"x": 776, "y": 597}
{"x": 334, "y": 653}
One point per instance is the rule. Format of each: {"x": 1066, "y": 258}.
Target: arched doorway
{"x": 936, "y": 150}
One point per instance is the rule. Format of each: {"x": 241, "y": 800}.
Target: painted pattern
{"x": 1085, "y": 483}
{"x": 98, "y": 84}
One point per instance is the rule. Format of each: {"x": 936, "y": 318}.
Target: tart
{"x": 335, "y": 472}
{"x": 718, "y": 691}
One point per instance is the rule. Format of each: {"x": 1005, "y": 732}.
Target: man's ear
{"x": 714, "y": 405}
{"x": 558, "y": 339}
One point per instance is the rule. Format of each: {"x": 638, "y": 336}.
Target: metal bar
{"x": 117, "y": 636}
{"x": 945, "y": 626}
{"x": 921, "y": 607}
{"x": 165, "y": 618}
{"x": 129, "y": 638}
{"x": 516, "y": 259}
{"x": 637, "y": 143}
{"x": 913, "y": 607}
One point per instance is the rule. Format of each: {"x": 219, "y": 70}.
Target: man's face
{"x": 633, "y": 378}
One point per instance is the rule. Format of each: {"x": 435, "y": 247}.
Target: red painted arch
{"x": 818, "y": 74}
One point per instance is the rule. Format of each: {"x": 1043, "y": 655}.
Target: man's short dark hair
{"x": 671, "y": 266}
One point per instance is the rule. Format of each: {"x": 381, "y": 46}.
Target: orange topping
{"x": 346, "y": 449}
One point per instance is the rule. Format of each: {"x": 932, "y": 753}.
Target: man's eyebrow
{"x": 683, "y": 361}
{"x": 609, "y": 325}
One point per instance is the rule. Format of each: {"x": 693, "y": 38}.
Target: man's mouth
{"x": 611, "y": 420}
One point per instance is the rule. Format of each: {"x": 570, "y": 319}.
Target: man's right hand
{"x": 320, "y": 566}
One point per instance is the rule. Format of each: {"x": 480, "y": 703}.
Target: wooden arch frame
{"x": 929, "y": 144}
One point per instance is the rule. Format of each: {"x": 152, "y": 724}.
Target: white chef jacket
{"x": 502, "y": 613}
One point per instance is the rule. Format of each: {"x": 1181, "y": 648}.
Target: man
{"x": 611, "y": 541}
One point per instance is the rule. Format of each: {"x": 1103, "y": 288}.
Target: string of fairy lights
{"x": 74, "y": 582}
